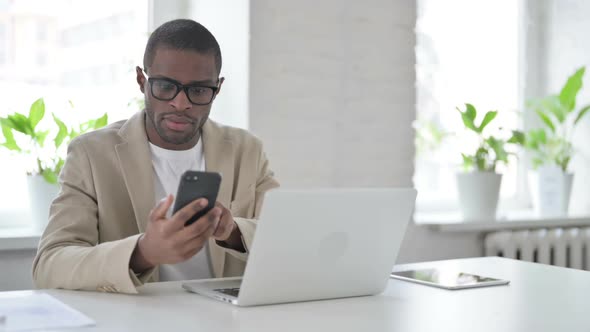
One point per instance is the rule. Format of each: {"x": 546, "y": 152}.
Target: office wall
{"x": 332, "y": 90}
{"x": 15, "y": 269}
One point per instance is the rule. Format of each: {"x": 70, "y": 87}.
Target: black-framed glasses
{"x": 166, "y": 89}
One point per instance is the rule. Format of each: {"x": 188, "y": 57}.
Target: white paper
{"x": 29, "y": 311}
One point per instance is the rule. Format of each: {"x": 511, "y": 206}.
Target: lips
{"x": 177, "y": 123}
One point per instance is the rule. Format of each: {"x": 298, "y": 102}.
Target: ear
{"x": 221, "y": 80}
{"x": 140, "y": 79}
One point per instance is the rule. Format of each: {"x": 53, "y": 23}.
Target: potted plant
{"x": 23, "y": 135}
{"x": 550, "y": 147}
{"x": 479, "y": 183}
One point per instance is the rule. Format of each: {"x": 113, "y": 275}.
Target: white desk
{"x": 539, "y": 298}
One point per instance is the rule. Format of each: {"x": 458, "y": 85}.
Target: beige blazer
{"x": 107, "y": 192}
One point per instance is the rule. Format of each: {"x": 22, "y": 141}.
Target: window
{"x": 62, "y": 50}
{"x": 467, "y": 52}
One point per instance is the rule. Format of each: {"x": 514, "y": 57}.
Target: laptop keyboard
{"x": 229, "y": 291}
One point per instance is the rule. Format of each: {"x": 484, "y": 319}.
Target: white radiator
{"x": 568, "y": 247}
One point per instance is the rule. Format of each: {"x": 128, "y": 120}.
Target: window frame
{"x": 525, "y": 49}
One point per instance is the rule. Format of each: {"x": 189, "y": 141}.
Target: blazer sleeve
{"x": 69, "y": 254}
{"x": 247, "y": 223}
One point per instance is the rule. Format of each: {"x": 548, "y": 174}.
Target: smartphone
{"x": 194, "y": 185}
{"x": 447, "y": 279}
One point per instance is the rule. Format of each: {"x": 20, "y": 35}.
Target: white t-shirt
{"x": 168, "y": 167}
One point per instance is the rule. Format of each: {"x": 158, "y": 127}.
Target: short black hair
{"x": 182, "y": 34}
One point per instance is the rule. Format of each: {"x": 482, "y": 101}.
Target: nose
{"x": 181, "y": 102}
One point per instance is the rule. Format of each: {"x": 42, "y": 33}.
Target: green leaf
{"x": 569, "y": 92}
{"x": 93, "y": 124}
{"x": 481, "y": 159}
{"x": 564, "y": 163}
{"x": 7, "y": 123}
{"x": 85, "y": 126}
{"x": 40, "y": 137}
{"x": 546, "y": 120}
{"x": 581, "y": 114}
{"x": 20, "y": 123}
{"x": 49, "y": 175}
{"x": 535, "y": 139}
{"x": 62, "y": 133}
{"x": 467, "y": 161}
{"x": 469, "y": 116}
{"x": 487, "y": 119}
{"x": 540, "y": 135}
{"x": 10, "y": 142}
{"x": 518, "y": 137}
{"x": 101, "y": 122}
{"x": 549, "y": 105}
{"x": 470, "y": 111}
{"x": 36, "y": 112}
{"x": 11, "y": 146}
{"x": 498, "y": 147}
{"x": 59, "y": 166}
{"x": 73, "y": 134}
{"x": 554, "y": 105}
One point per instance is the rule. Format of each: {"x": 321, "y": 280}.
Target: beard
{"x": 193, "y": 126}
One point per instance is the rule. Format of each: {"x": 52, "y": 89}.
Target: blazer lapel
{"x": 136, "y": 165}
{"x": 219, "y": 157}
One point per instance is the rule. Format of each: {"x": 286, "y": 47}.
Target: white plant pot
{"x": 478, "y": 195}
{"x": 41, "y": 194}
{"x": 550, "y": 190}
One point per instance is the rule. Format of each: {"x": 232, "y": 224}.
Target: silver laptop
{"x": 319, "y": 244}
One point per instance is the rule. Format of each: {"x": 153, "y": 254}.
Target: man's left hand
{"x": 228, "y": 231}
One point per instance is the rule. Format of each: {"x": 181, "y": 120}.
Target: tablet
{"x": 447, "y": 279}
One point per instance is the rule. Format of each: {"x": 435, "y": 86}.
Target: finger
{"x": 224, "y": 228}
{"x": 225, "y": 213}
{"x": 206, "y": 225}
{"x": 219, "y": 205}
{"x": 227, "y": 231}
{"x": 181, "y": 216}
{"x": 193, "y": 247}
{"x": 160, "y": 210}
{"x": 183, "y": 246}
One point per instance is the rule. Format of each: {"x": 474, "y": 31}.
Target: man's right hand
{"x": 167, "y": 240}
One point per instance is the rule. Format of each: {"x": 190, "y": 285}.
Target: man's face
{"x": 175, "y": 124}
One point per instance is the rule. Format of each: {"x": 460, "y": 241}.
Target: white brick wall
{"x": 332, "y": 90}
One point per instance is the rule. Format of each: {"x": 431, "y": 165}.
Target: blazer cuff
{"x": 139, "y": 279}
{"x": 245, "y": 226}
{"x": 127, "y": 280}
{"x": 118, "y": 278}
